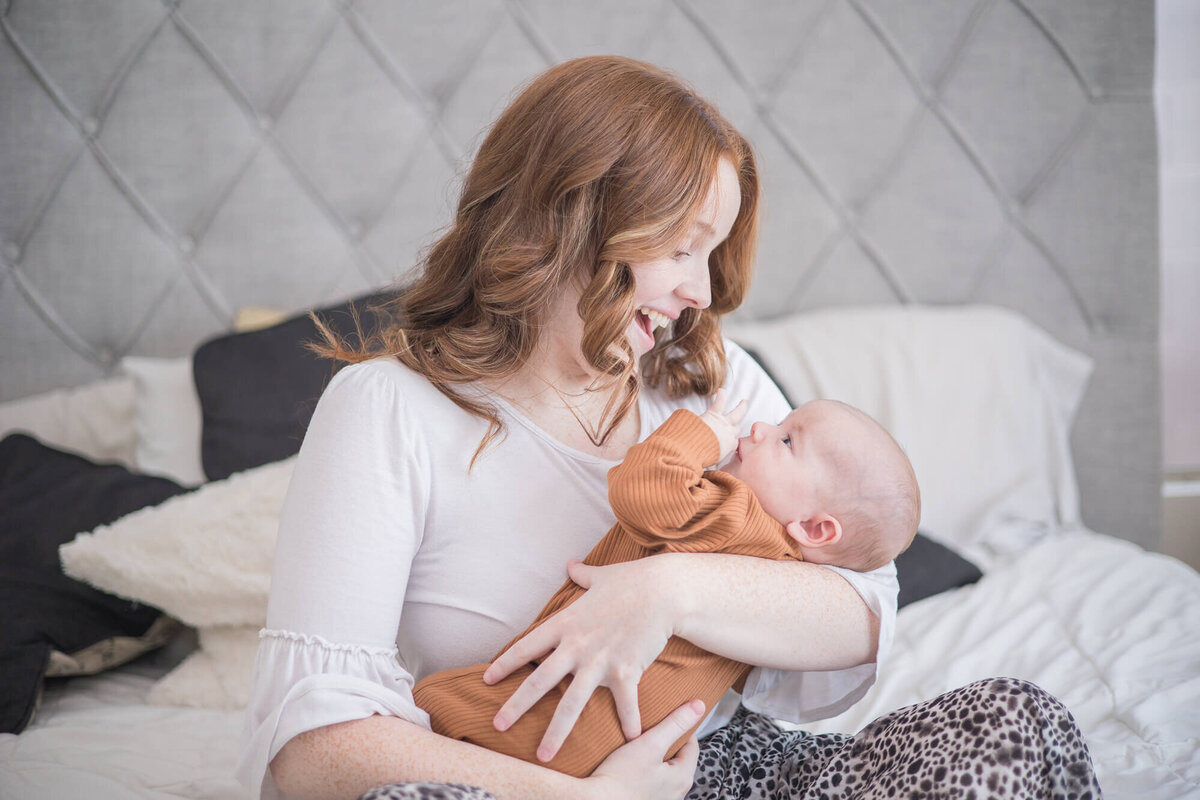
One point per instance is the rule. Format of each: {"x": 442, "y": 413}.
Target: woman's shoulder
{"x": 389, "y": 394}
{"x": 385, "y": 379}
{"x": 382, "y": 371}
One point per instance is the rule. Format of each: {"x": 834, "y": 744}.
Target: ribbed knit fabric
{"x": 664, "y": 501}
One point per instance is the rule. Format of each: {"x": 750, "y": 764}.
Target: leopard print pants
{"x": 993, "y": 738}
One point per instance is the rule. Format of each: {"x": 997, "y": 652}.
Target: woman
{"x": 606, "y": 224}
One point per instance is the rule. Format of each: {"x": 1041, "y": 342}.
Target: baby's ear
{"x": 820, "y": 531}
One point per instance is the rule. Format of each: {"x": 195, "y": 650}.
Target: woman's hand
{"x": 637, "y": 769}
{"x": 605, "y": 638}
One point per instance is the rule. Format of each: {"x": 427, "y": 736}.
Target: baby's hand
{"x": 726, "y": 425}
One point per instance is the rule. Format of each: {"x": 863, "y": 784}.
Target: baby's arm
{"x": 661, "y": 494}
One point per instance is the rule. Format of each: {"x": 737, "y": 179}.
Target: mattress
{"x": 1110, "y": 629}
{"x": 97, "y": 737}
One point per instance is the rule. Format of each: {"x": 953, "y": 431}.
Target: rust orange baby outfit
{"x": 664, "y": 501}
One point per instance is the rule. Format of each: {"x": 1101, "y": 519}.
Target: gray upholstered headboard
{"x": 164, "y": 163}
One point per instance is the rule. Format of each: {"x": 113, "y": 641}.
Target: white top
{"x": 394, "y": 561}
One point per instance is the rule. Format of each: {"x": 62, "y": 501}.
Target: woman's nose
{"x": 696, "y": 290}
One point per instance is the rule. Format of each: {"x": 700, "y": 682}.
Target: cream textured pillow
{"x": 204, "y": 558}
{"x": 981, "y": 399}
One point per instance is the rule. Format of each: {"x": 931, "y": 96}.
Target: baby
{"x": 827, "y": 485}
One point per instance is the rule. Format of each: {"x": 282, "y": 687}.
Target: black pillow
{"x": 258, "y": 389}
{"x": 46, "y": 497}
{"x": 928, "y": 567}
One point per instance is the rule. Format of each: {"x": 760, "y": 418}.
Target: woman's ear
{"x": 820, "y": 531}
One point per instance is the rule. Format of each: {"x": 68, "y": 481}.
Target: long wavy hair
{"x": 600, "y": 162}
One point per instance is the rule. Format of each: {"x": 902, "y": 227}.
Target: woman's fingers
{"x": 605, "y": 638}
{"x": 579, "y": 573}
{"x": 625, "y": 695}
{"x": 537, "y": 643}
{"x": 637, "y": 769}
{"x": 660, "y": 738}
{"x": 570, "y": 706}
{"x": 544, "y": 678}
{"x": 688, "y": 755}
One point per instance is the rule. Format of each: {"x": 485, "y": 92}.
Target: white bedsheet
{"x": 1112, "y": 631}
{"x": 96, "y": 738}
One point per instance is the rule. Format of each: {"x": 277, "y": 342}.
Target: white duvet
{"x": 1112, "y": 631}
{"x": 1109, "y": 629}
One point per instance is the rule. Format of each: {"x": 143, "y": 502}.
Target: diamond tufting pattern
{"x": 165, "y": 162}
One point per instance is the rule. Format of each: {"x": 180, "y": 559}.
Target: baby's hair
{"x": 879, "y": 516}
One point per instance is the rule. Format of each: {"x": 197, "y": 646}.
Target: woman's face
{"x": 666, "y": 286}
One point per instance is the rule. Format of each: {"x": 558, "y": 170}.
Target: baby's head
{"x": 838, "y": 482}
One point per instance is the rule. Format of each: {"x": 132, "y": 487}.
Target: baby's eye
{"x": 787, "y": 441}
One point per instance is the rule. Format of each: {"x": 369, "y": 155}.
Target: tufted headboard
{"x": 164, "y": 163}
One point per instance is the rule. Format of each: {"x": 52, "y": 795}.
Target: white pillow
{"x": 167, "y": 418}
{"x": 217, "y": 675}
{"x": 94, "y": 420}
{"x": 203, "y": 557}
{"x": 981, "y": 399}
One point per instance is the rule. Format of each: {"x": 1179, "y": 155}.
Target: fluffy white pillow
{"x": 203, "y": 557}
{"x": 980, "y": 398}
{"x": 94, "y": 420}
{"x": 167, "y": 418}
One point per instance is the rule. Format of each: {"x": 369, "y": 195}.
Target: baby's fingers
{"x": 737, "y": 413}
{"x": 717, "y": 406}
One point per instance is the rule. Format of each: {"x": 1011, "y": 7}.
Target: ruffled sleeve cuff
{"x": 801, "y": 697}
{"x": 303, "y": 682}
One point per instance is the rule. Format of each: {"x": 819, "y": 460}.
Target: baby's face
{"x": 792, "y": 467}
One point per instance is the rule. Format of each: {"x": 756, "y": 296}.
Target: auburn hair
{"x": 598, "y": 163}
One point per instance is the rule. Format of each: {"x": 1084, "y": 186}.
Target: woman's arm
{"x": 785, "y": 615}
{"x": 779, "y": 614}
{"x": 347, "y": 759}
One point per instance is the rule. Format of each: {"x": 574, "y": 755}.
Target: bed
{"x": 960, "y": 235}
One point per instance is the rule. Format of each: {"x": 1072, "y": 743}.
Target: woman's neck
{"x": 559, "y": 393}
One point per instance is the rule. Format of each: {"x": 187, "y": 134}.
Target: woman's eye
{"x": 681, "y": 255}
